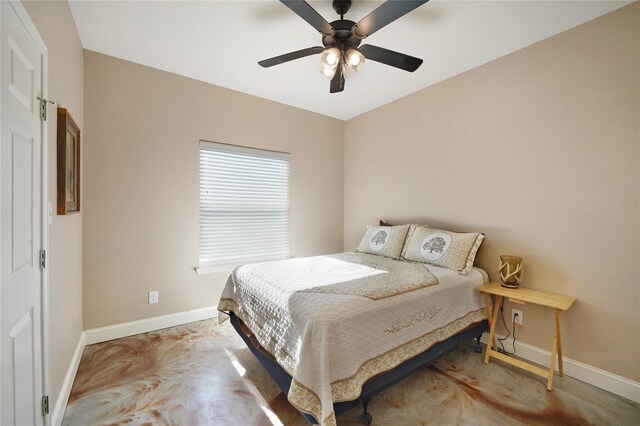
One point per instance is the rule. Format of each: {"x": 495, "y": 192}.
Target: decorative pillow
{"x": 452, "y": 250}
{"x": 383, "y": 240}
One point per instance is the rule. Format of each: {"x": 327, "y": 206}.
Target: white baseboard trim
{"x": 102, "y": 334}
{"x": 594, "y": 376}
{"x": 67, "y": 384}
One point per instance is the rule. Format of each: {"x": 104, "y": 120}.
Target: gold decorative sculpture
{"x": 511, "y": 271}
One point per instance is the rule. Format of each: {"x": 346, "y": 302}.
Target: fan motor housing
{"x": 343, "y": 36}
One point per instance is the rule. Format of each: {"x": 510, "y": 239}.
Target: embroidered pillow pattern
{"x": 453, "y": 250}
{"x": 383, "y": 240}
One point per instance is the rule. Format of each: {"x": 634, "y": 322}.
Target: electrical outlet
{"x": 153, "y": 297}
{"x": 518, "y": 319}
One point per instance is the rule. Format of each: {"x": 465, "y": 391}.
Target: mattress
{"x": 333, "y": 322}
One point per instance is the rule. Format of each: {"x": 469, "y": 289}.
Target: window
{"x": 244, "y": 204}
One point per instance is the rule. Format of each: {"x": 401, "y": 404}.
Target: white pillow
{"x": 383, "y": 240}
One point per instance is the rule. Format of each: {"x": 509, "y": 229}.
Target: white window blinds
{"x": 244, "y": 204}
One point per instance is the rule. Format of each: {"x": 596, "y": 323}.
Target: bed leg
{"x": 478, "y": 347}
{"x": 365, "y": 417}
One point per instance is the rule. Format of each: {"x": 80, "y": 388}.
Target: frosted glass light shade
{"x": 354, "y": 59}
{"x": 331, "y": 57}
{"x": 329, "y": 61}
{"x": 328, "y": 70}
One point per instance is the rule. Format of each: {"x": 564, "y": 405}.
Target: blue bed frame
{"x": 377, "y": 383}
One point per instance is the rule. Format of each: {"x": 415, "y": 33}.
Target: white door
{"x": 21, "y": 278}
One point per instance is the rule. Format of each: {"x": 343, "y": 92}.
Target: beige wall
{"x": 58, "y": 30}
{"x": 142, "y": 128}
{"x": 541, "y": 151}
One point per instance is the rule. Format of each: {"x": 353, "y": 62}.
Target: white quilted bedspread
{"x": 333, "y": 322}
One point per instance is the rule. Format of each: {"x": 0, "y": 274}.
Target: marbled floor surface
{"x": 203, "y": 374}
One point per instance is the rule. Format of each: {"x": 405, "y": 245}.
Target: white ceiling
{"x": 220, "y": 42}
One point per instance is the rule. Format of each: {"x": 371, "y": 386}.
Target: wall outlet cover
{"x": 153, "y": 297}
{"x": 518, "y": 319}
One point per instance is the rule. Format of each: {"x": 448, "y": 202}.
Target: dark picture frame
{"x": 68, "y": 164}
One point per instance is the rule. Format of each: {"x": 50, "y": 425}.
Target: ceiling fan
{"x": 342, "y": 38}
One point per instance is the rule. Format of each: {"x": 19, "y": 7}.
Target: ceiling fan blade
{"x": 309, "y": 14}
{"x": 337, "y": 82}
{"x": 390, "y": 57}
{"x": 277, "y": 60}
{"x": 384, "y": 15}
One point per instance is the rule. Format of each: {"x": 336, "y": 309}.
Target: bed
{"x": 334, "y": 330}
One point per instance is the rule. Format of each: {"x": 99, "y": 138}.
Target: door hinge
{"x": 43, "y": 108}
{"x": 43, "y": 259}
{"x": 45, "y": 405}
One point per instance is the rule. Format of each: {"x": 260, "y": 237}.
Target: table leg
{"x": 492, "y": 331}
{"x": 487, "y": 303}
{"x": 554, "y": 353}
{"x": 559, "y": 340}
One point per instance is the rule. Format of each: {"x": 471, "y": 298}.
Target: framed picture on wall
{"x": 68, "y": 164}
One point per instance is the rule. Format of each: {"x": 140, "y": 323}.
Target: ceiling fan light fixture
{"x": 354, "y": 59}
{"x": 329, "y": 61}
{"x": 328, "y": 70}
{"x": 331, "y": 57}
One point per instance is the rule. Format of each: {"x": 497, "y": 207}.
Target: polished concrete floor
{"x": 203, "y": 374}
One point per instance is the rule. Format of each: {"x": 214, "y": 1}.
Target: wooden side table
{"x": 524, "y": 295}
